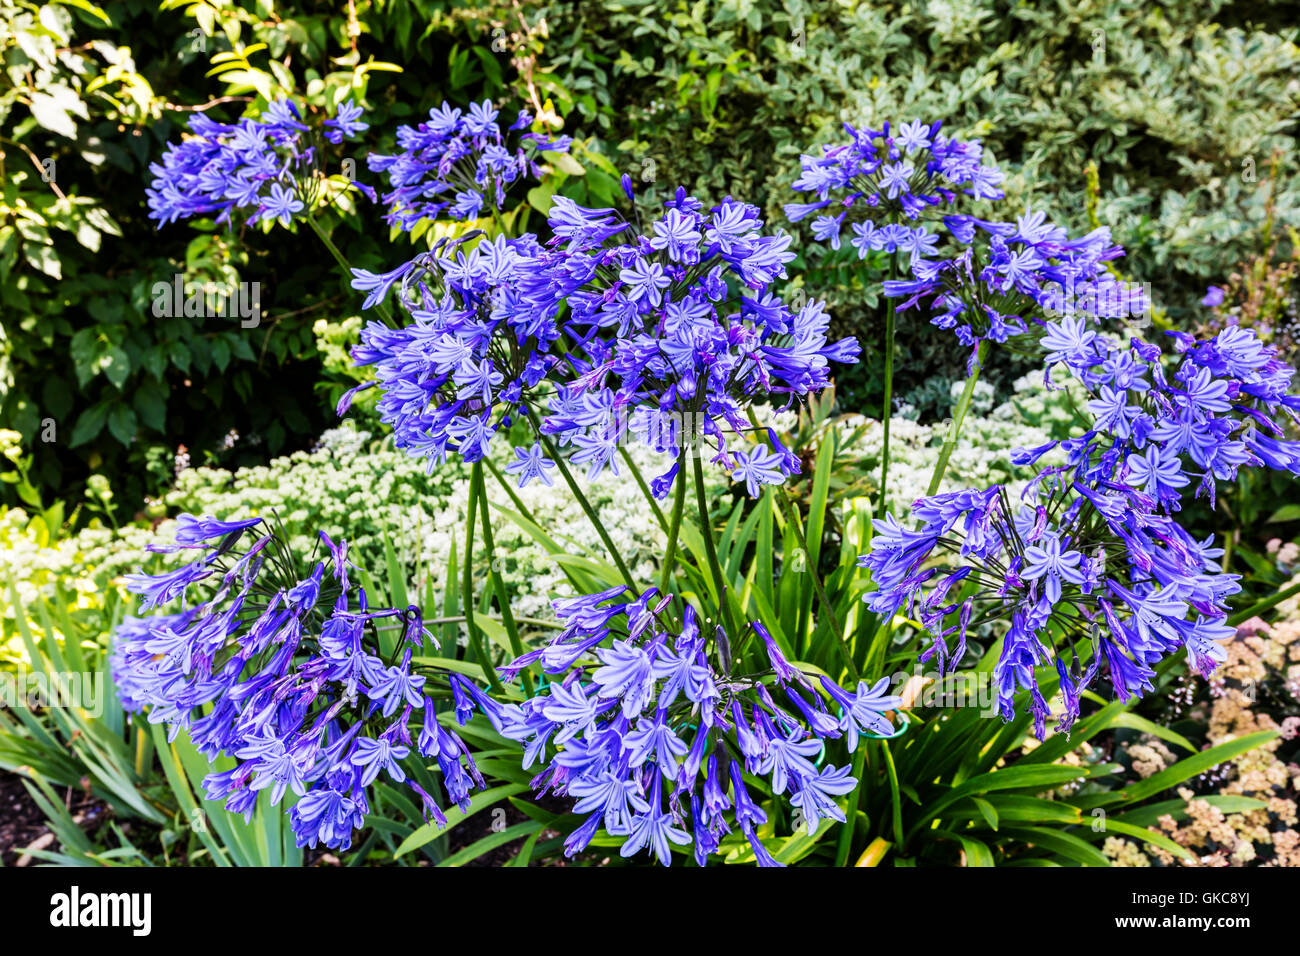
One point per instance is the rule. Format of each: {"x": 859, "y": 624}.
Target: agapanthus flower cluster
{"x": 284, "y": 672}
{"x": 645, "y": 728}
{"x": 1009, "y": 278}
{"x": 672, "y": 335}
{"x": 1093, "y": 564}
{"x": 470, "y": 356}
{"x": 883, "y": 178}
{"x": 458, "y": 164}
{"x": 253, "y": 165}
{"x": 1075, "y": 568}
{"x": 1161, "y": 425}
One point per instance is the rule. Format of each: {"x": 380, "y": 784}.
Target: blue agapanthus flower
{"x": 458, "y": 164}
{"x": 285, "y": 675}
{"x": 600, "y": 337}
{"x": 672, "y": 334}
{"x": 1006, "y": 279}
{"x": 653, "y": 742}
{"x": 346, "y": 123}
{"x": 1075, "y": 568}
{"x": 472, "y": 356}
{"x": 254, "y": 169}
{"x": 1172, "y": 424}
{"x": 883, "y": 179}
{"x": 1091, "y": 570}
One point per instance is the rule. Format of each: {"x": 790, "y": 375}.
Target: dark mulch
{"x": 21, "y": 821}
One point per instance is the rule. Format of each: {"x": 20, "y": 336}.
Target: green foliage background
{"x": 1182, "y": 106}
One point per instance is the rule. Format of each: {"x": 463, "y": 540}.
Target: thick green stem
{"x": 1268, "y": 603}
{"x": 522, "y": 509}
{"x": 887, "y": 409}
{"x": 706, "y": 529}
{"x": 507, "y": 616}
{"x": 679, "y": 502}
{"x": 498, "y": 221}
{"x": 586, "y": 505}
{"x": 958, "y": 418}
{"x": 346, "y": 266}
{"x": 467, "y": 581}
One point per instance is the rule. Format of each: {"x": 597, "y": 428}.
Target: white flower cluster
{"x": 982, "y": 455}
{"x": 76, "y": 563}
{"x": 362, "y": 489}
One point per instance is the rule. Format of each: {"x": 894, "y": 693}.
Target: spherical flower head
{"x": 470, "y": 359}
{"x": 281, "y": 670}
{"x": 884, "y": 177}
{"x": 1084, "y": 577}
{"x": 1015, "y": 280}
{"x": 678, "y": 332}
{"x": 262, "y": 169}
{"x": 1205, "y": 409}
{"x": 458, "y": 164}
{"x": 636, "y": 720}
